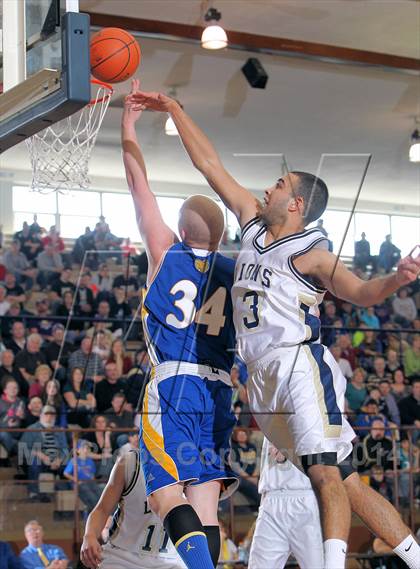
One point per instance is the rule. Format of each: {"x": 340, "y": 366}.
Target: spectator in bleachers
{"x": 369, "y": 349}
{"x": 45, "y": 451}
{"x": 8, "y": 559}
{"x": 245, "y": 464}
{"x": 14, "y": 314}
{"x": 17, "y": 264}
{"x": 102, "y": 340}
{"x": 103, "y": 281}
{"x": 137, "y": 376}
{"x": 41, "y": 325}
{"x": 120, "y": 308}
{"x": 42, "y": 375}
{"x": 356, "y": 391}
{"x": 412, "y": 358}
{"x": 27, "y": 360}
{"x": 74, "y": 328}
{"x": 63, "y": 284}
{"x": 362, "y": 255}
{"x": 407, "y": 460}
{"x": 89, "y": 490}
{"x": 120, "y": 418}
{"x": 131, "y": 444}
{"x": 53, "y": 239}
{"x": 38, "y": 554}
{"x": 410, "y": 409}
{"x": 104, "y": 311}
{"x": 84, "y": 296}
{"x": 347, "y": 351}
{"x": 228, "y": 550}
{"x": 33, "y": 411}
{"x": 17, "y": 341}
{"x": 50, "y": 265}
{"x": 363, "y": 421}
{"x": 12, "y": 413}
{"x": 392, "y": 361}
{"x": 30, "y": 243}
{"x": 102, "y": 445}
{"x": 7, "y": 359}
{"x": 343, "y": 364}
{"x": 51, "y": 396}
{"x": 58, "y": 352}
{"x": 389, "y": 255}
{"x": 328, "y": 319}
{"x": 395, "y": 342}
{"x": 4, "y": 302}
{"x": 380, "y": 483}
{"x": 400, "y": 386}
{"x": 404, "y": 308}
{"x": 127, "y": 281}
{"x": 369, "y": 318}
{"x": 108, "y": 387}
{"x": 81, "y": 404}
{"x": 378, "y": 373}
{"x": 377, "y": 448}
{"x": 35, "y": 228}
{"x": 390, "y": 407}
{"x": 88, "y": 361}
{"x": 15, "y": 292}
{"x": 120, "y": 357}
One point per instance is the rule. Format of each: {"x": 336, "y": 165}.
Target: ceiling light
{"x": 214, "y": 36}
{"x": 414, "y": 152}
{"x": 170, "y": 128}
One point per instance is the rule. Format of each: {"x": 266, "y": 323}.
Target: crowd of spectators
{"x": 64, "y": 362}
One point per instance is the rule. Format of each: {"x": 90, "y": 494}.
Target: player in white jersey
{"x": 136, "y": 536}
{"x": 296, "y": 389}
{"x": 288, "y": 519}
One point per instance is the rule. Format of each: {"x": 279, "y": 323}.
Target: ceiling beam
{"x": 258, "y": 43}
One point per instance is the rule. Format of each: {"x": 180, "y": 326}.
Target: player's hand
{"x": 408, "y": 268}
{"x": 91, "y": 552}
{"x": 152, "y": 100}
{"x": 132, "y": 111}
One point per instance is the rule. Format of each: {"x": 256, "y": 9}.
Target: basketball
{"x": 114, "y": 55}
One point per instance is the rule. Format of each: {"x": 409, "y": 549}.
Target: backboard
{"x": 44, "y": 66}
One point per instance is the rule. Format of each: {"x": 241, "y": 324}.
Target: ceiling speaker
{"x": 255, "y": 73}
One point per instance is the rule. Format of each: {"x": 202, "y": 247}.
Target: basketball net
{"x": 60, "y": 154}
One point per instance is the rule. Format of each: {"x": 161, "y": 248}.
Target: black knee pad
{"x": 325, "y": 458}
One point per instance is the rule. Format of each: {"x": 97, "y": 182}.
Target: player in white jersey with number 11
{"x": 296, "y": 388}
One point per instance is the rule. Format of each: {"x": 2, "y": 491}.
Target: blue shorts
{"x": 186, "y": 428}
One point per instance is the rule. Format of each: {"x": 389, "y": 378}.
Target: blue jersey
{"x": 187, "y": 309}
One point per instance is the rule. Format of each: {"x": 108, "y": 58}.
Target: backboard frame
{"x": 72, "y": 92}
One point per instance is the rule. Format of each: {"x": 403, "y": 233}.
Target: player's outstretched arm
{"x": 90, "y": 552}
{"x": 204, "y": 156}
{"x": 156, "y": 235}
{"x": 334, "y": 275}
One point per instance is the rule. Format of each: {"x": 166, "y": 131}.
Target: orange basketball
{"x": 114, "y": 55}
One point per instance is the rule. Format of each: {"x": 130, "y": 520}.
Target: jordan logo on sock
{"x": 189, "y": 546}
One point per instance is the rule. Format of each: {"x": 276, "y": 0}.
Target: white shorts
{"x": 297, "y": 397}
{"x": 115, "y": 558}
{"x": 287, "y": 524}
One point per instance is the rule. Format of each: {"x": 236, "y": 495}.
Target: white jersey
{"x": 274, "y": 305}
{"x": 135, "y": 528}
{"x": 280, "y": 476}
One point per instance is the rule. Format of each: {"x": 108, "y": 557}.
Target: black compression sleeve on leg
{"x": 181, "y": 521}
{"x": 213, "y": 539}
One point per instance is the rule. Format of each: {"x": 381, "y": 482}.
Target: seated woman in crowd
{"x": 80, "y": 403}
{"x": 42, "y": 374}
{"x": 400, "y": 387}
{"x": 369, "y": 349}
{"x": 12, "y": 413}
{"x": 102, "y": 448}
{"x": 119, "y": 357}
{"x": 51, "y": 396}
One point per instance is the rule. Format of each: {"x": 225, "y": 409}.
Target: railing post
{"x": 75, "y": 436}
{"x": 395, "y": 470}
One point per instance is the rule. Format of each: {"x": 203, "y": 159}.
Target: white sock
{"x": 409, "y": 551}
{"x": 335, "y": 553}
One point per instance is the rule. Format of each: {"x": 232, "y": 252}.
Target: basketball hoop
{"x": 60, "y": 154}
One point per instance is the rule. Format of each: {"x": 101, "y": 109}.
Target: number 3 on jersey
{"x": 211, "y": 314}
{"x": 251, "y": 298}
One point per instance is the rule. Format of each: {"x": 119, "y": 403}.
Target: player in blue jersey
{"x": 187, "y": 320}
